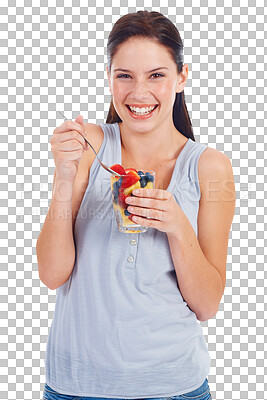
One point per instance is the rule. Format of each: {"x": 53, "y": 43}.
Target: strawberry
{"x": 130, "y": 217}
{"x": 121, "y": 198}
{"x": 130, "y": 179}
{"x": 119, "y": 169}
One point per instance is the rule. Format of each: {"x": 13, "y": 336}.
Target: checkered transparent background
{"x": 54, "y": 53}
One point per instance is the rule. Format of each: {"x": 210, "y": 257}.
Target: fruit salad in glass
{"x": 122, "y": 187}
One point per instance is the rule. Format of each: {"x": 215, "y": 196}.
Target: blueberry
{"x": 143, "y": 181}
{"x": 117, "y": 184}
{"x": 149, "y": 177}
{"x": 119, "y": 181}
{"x": 127, "y": 213}
{"x": 142, "y": 178}
{"x": 115, "y": 196}
{"x": 115, "y": 192}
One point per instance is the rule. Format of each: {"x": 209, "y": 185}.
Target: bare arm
{"x": 55, "y": 245}
{"x": 200, "y": 263}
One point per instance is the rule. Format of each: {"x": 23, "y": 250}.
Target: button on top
{"x": 130, "y": 259}
{"x": 133, "y": 242}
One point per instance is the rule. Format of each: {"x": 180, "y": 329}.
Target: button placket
{"x": 132, "y": 251}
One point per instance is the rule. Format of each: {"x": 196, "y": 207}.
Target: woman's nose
{"x": 140, "y": 89}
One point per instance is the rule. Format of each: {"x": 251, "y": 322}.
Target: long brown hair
{"x": 155, "y": 26}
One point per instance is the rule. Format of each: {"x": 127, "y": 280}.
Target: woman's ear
{"x": 182, "y": 78}
{"x": 109, "y": 83}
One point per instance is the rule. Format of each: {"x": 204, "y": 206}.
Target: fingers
{"x": 68, "y": 136}
{"x": 79, "y": 119}
{"x": 150, "y": 207}
{"x": 146, "y": 203}
{"x": 70, "y": 126}
{"x": 147, "y": 212}
{"x": 68, "y": 145}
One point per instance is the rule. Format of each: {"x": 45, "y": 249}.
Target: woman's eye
{"x": 124, "y": 75}
{"x": 156, "y": 73}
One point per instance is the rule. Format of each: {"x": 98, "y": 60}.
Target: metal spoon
{"x": 103, "y": 165}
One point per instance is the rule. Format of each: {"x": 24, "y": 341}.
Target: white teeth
{"x": 142, "y": 111}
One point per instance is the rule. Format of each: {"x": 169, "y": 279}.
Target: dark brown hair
{"x": 157, "y": 27}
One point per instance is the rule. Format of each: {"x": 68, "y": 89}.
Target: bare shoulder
{"x": 215, "y": 173}
{"x": 94, "y": 134}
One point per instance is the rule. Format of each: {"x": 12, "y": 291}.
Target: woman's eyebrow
{"x": 127, "y": 70}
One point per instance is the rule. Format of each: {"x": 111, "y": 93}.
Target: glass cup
{"x": 122, "y": 188}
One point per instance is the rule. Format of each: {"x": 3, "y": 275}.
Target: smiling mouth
{"x": 140, "y": 107}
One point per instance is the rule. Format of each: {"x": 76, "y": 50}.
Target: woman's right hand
{"x": 67, "y": 146}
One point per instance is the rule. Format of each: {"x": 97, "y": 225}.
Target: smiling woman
{"x": 144, "y": 100}
{"x": 137, "y": 92}
{"x": 126, "y": 319}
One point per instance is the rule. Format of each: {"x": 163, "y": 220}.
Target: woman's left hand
{"x": 155, "y": 208}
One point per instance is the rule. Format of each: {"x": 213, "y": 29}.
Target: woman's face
{"x": 143, "y": 74}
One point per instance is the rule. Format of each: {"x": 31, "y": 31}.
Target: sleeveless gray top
{"x": 121, "y": 327}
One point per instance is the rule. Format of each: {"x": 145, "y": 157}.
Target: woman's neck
{"x": 150, "y": 148}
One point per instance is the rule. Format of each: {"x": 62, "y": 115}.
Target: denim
{"x": 201, "y": 393}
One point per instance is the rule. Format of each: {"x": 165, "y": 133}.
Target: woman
{"x": 125, "y": 322}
